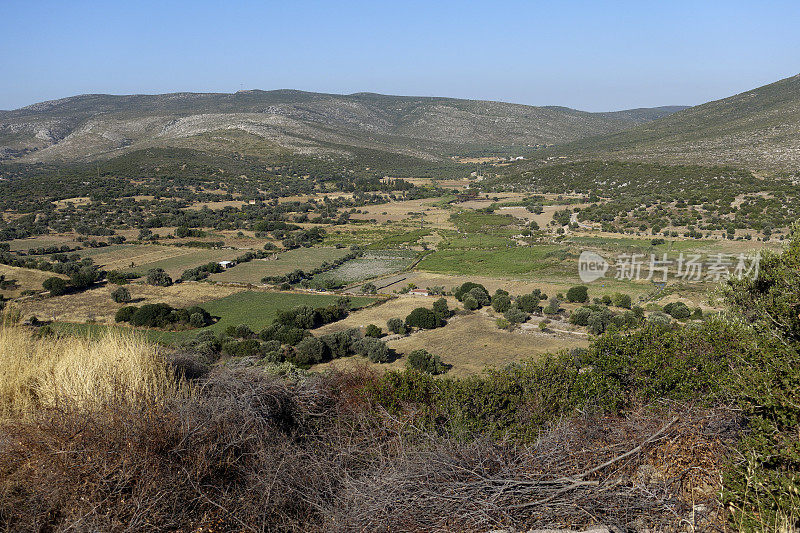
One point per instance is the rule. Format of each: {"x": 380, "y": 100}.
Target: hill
{"x": 757, "y": 129}
{"x": 265, "y": 123}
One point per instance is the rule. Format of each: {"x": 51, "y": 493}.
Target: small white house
{"x": 226, "y": 264}
{"x": 418, "y": 292}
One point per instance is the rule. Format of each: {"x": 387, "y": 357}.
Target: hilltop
{"x": 757, "y": 129}
{"x": 264, "y": 123}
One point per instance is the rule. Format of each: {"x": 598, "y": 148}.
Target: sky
{"x": 589, "y": 55}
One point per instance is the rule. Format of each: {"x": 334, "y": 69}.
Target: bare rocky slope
{"x": 757, "y": 129}
{"x": 258, "y": 123}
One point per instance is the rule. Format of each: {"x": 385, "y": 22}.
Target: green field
{"x": 502, "y": 262}
{"x": 256, "y": 309}
{"x": 300, "y": 258}
{"x": 460, "y": 241}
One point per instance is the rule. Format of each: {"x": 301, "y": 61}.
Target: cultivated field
{"x": 285, "y": 262}
{"x": 371, "y": 265}
{"x": 141, "y": 258}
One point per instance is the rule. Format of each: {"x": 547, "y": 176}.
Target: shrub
{"x": 580, "y": 316}
{"x": 659, "y": 318}
{"x": 373, "y": 331}
{"x": 283, "y": 334}
{"x": 441, "y": 309}
{"x": 515, "y": 315}
{"x": 158, "y": 277}
{"x": 530, "y": 302}
{"x": 56, "y": 286}
{"x": 466, "y": 287}
{"x": 553, "y": 307}
{"x": 120, "y": 278}
{"x": 502, "y": 323}
{"x": 599, "y": 321}
{"x": 125, "y": 314}
{"x": 481, "y": 295}
{"x": 243, "y": 331}
{"x": 622, "y": 300}
{"x": 196, "y": 320}
{"x": 153, "y": 316}
{"x": 339, "y": 344}
{"x": 396, "y": 325}
{"x": 501, "y": 303}
{"x": 247, "y": 348}
{"x": 579, "y": 294}
{"x": 678, "y": 310}
{"x": 470, "y": 303}
{"x": 373, "y": 349}
{"x": 422, "y": 318}
{"x": 121, "y": 295}
{"x": 309, "y": 351}
{"x": 423, "y": 361}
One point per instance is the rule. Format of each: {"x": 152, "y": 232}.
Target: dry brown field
{"x": 26, "y": 279}
{"x": 96, "y": 304}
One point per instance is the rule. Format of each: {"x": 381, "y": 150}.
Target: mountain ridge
{"x": 95, "y": 126}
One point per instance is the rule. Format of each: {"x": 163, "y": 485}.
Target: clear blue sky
{"x": 591, "y": 55}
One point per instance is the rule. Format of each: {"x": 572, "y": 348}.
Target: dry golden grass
{"x": 470, "y": 343}
{"x": 96, "y": 304}
{"x": 26, "y": 279}
{"x": 70, "y": 372}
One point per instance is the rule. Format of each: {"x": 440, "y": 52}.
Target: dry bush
{"x": 248, "y": 451}
{"x": 71, "y": 372}
{"x": 669, "y": 484}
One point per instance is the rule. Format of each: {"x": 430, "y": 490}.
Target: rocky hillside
{"x": 259, "y": 123}
{"x": 758, "y": 129}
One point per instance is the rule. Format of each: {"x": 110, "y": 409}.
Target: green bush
{"x": 158, "y": 277}
{"x": 396, "y": 325}
{"x": 373, "y": 331}
{"x": 677, "y": 310}
{"x": 466, "y": 287}
{"x": 515, "y": 315}
{"x": 373, "y": 349}
{"x": 158, "y": 315}
{"x": 121, "y": 295}
{"x": 501, "y": 303}
{"x": 580, "y": 316}
{"x": 422, "y": 318}
{"x": 530, "y": 302}
{"x": 441, "y": 309}
{"x": 125, "y": 314}
{"x": 423, "y": 361}
{"x": 578, "y": 294}
{"x": 309, "y": 351}
{"x": 553, "y": 307}
{"x": 56, "y": 286}
{"x": 622, "y": 300}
